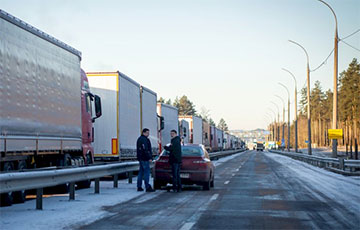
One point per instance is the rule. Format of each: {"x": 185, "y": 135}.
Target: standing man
{"x": 175, "y": 159}
{"x": 144, "y": 156}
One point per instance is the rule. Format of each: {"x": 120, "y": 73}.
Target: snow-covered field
{"x": 343, "y": 189}
{"x": 59, "y": 213}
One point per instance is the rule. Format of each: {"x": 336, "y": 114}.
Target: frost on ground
{"x": 345, "y": 190}
{"x": 59, "y": 213}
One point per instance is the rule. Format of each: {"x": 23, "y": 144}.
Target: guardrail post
{"x": 39, "y": 196}
{"x": 130, "y": 174}
{"x": 72, "y": 191}
{"x": 341, "y": 163}
{"x": 356, "y": 150}
{"x": 97, "y": 185}
{"x": 116, "y": 178}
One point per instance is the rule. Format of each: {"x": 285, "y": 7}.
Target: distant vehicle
{"x": 170, "y": 117}
{"x": 259, "y": 146}
{"x": 196, "y": 168}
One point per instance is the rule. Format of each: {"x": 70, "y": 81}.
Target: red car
{"x": 196, "y": 168}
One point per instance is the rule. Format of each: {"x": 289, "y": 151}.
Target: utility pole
{"x": 308, "y": 95}
{"x": 335, "y": 80}
{"x": 283, "y": 124}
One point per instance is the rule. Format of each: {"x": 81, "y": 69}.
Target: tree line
{"x": 187, "y": 107}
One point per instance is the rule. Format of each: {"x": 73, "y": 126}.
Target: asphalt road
{"x": 252, "y": 191}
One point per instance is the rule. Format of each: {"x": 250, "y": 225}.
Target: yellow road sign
{"x": 335, "y": 133}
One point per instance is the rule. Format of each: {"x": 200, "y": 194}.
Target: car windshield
{"x": 191, "y": 151}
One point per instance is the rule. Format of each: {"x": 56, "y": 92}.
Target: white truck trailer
{"x": 128, "y": 107}
{"x": 196, "y": 128}
{"x": 170, "y": 116}
{"x": 184, "y": 128}
{"x": 220, "y": 137}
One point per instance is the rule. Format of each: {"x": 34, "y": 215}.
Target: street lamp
{"x": 288, "y": 144}
{"x": 335, "y": 112}
{"x": 296, "y": 128}
{"x": 283, "y": 123}
{"x": 308, "y": 95}
{"x": 277, "y": 107}
{"x": 277, "y": 132}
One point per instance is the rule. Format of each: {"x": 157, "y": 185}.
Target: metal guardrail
{"x": 19, "y": 181}
{"x": 338, "y": 165}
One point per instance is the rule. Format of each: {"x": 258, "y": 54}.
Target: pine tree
{"x": 185, "y": 106}
{"x": 222, "y": 125}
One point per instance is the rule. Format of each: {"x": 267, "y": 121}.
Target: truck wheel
{"x": 85, "y": 183}
{"x": 20, "y": 196}
{"x": 7, "y": 198}
{"x": 63, "y": 188}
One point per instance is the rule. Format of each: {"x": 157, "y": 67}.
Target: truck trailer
{"x": 170, "y": 116}
{"x": 46, "y": 107}
{"x": 206, "y": 135}
{"x": 184, "y": 128}
{"x": 219, "y": 137}
{"x": 128, "y": 108}
{"x": 196, "y": 129}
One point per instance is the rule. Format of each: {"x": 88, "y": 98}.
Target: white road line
{"x": 214, "y": 197}
{"x": 227, "y": 182}
{"x": 237, "y": 170}
{"x": 233, "y": 174}
{"x": 187, "y": 226}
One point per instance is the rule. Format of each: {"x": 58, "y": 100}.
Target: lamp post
{"x": 277, "y": 107}
{"x": 283, "y": 125}
{"x": 288, "y": 144}
{"x": 296, "y": 128}
{"x": 308, "y": 95}
{"x": 335, "y": 111}
{"x": 275, "y": 122}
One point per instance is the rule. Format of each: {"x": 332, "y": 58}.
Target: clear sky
{"x": 225, "y": 55}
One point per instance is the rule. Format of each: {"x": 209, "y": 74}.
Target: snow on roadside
{"x": 337, "y": 187}
{"x": 225, "y": 159}
{"x": 59, "y": 213}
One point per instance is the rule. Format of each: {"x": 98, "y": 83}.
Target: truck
{"x": 206, "y": 136}
{"x": 184, "y": 131}
{"x": 46, "y": 106}
{"x": 170, "y": 117}
{"x": 128, "y": 108}
{"x": 196, "y": 128}
{"x": 219, "y": 138}
{"x": 259, "y": 146}
{"x": 213, "y": 139}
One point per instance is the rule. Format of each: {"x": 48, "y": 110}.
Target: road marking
{"x": 227, "y": 182}
{"x": 237, "y": 170}
{"x": 233, "y": 174}
{"x": 214, "y": 197}
{"x": 187, "y": 226}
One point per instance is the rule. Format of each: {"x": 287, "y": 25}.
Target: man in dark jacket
{"x": 144, "y": 156}
{"x": 175, "y": 159}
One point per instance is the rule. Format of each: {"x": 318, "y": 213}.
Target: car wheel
{"x": 206, "y": 185}
{"x": 20, "y": 196}
{"x": 7, "y": 198}
{"x": 158, "y": 184}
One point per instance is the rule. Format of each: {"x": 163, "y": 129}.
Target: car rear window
{"x": 187, "y": 151}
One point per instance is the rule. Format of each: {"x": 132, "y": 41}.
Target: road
{"x": 252, "y": 191}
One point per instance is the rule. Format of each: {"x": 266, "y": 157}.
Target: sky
{"x": 226, "y": 56}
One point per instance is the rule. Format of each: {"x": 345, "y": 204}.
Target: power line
{"x": 350, "y": 35}
{"x": 351, "y": 46}
{"x": 324, "y": 62}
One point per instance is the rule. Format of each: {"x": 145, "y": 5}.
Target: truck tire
{"x": 20, "y": 196}
{"x": 7, "y": 198}
{"x": 84, "y": 183}
{"x": 63, "y": 188}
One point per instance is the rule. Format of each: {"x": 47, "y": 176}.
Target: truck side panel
{"x": 149, "y": 116}
{"x": 129, "y": 118}
{"x": 40, "y": 91}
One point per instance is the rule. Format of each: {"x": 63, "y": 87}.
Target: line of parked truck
{"x": 49, "y": 116}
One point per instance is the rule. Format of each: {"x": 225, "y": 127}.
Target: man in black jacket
{"x": 175, "y": 159}
{"x": 144, "y": 156}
